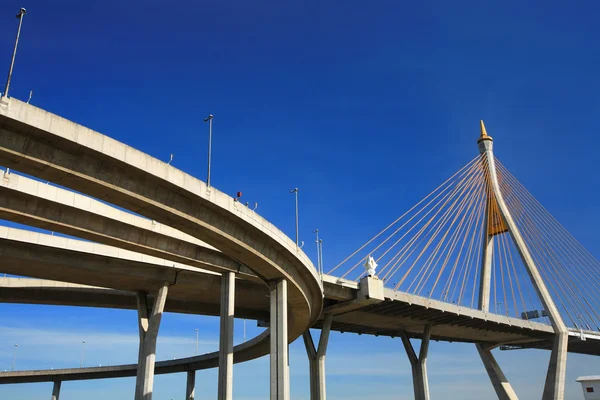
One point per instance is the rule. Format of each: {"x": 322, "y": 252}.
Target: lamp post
{"x": 82, "y": 353}
{"x": 295, "y": 191}
{"x": 196, "y": 340}
{"x": 20, "y": 15}
{"x": 321, "y": 254}
{"x": 318, "y": 252}
{"x": 209, "y": 119}
{"x": 14, "y": 357}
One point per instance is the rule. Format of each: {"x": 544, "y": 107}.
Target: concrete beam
{"x": 40, "y": 255}
{"x": 225, "y": 383}
{"x": 502, "y": 386}
{"x": 148, "y": 326}
{"x": 34, "y": 203}
{"x": 370, "y": 291}
{"x": 48, "y": 292}
{"x": 280, "y": 378}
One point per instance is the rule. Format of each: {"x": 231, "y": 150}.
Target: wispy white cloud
{"x": 47, "y": 348}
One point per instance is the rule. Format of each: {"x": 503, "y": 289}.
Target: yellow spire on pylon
{"x": 484, "y": 134}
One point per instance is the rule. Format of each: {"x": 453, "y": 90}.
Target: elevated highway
{"x": 54, "y": 149}
{"x": 193, "y": 249}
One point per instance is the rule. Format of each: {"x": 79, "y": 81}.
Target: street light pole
{"x": 210, "y": 120}
{"x": 14, "y": 357}
{"x": 20, "y": 15}
{"x": 82, "y": 353}
{"x": 318, "y": 252}
{"x": 196, "y": 340}
{"x": 321, "y": 254}
{"x": 295, "y": 191}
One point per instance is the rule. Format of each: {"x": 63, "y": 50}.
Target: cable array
{"x": 435, "y": 250}
{"x": 569, "y": 271}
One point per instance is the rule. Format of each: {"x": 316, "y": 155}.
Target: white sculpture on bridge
{"x": 370, "y": 266}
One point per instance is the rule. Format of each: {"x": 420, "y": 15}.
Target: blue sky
{"x": 364, "y": 107}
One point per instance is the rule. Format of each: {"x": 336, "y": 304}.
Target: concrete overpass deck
{"x": 388, "y": 318}
{"x": 52, "y": 148}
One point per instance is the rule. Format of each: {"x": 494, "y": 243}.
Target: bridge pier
{"x": 56, "y": 390}
{"x": 503, "y": 388}
{"x": 419, "y": 364}
{"x": 555, "y": 379}
{"x": 149, "y": 323}
{"x": 190, "y": 386}
{"x": 225, "y": 390}
{"x": 278, "y": 325}
{"x": 316, "y": 359}
{"x": 554, "y": 388}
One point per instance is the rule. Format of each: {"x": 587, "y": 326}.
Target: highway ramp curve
{"x": 55, "y": 149}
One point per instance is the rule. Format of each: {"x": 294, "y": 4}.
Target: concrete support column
{"x": 278, "y": 326}
{"x": 225, "y": 391}
{"x": 190, "y": 386}
{"x": 148, "y": 327}
{"x": 316, "y": 359}
{"x": 503, "y": 389}
{"x": 56, "y": 390}
{"x": 486, "y": 260}
{"x": 554, "y": 388}
{"x": 419, "y": 364}
{"x": 555, "y": 380}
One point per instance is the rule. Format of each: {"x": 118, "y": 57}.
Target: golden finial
{"x": 484, "y": 134}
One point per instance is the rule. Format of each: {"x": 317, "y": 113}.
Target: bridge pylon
{"x": 499, "y": 220}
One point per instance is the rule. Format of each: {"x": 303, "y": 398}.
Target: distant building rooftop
{"x": 588, "y": 378}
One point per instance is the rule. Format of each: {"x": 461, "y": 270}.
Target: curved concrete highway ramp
{"x": 49, "y": 147}
{"x": 250, "y": 350}
{"x": 54, "y": 149}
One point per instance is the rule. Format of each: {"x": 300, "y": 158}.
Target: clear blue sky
{"x": 365, "y": 107}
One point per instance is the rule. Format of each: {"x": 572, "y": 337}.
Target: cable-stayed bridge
{"x": 477, "y": 260}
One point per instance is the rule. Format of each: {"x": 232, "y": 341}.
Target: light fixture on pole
{"x": 14, "y": 357}
{"x": 295, "y": 191}
{"x": 20, "y": 15}
{"x": 196, "y": 340}
{"x": 82, "y": 353}
{"x": 209, "y": 119}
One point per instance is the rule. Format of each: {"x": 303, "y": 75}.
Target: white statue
{"x": 370, "y": 266}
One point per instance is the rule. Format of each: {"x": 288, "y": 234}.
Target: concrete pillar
{"x": 503, "y": 389}
{"x": 226, "y": 337}
{"x": 557, "y": 371}
{"x": 56, "y": 390}
{"x": 316, "y": 359}
{"x": 148, "y": 326}
{"x": 419, "y": 364}
{"x": 278, "y": 325}
{"x": 190, "y": 386}
{"x": 554, "y": 388}
{"x": 486, "y": 262}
